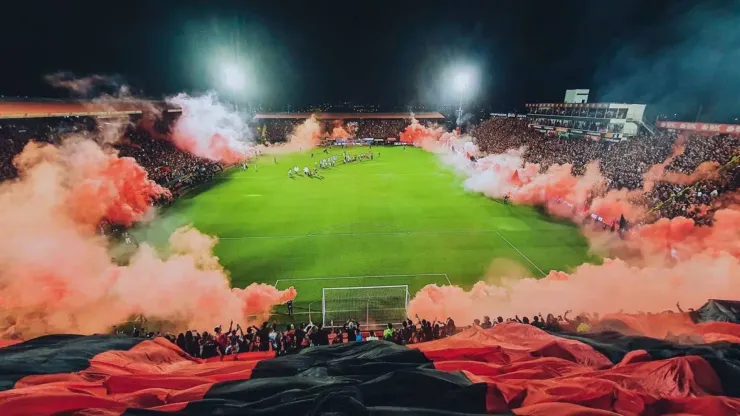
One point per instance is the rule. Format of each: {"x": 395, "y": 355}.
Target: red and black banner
{"x": 509, "y": 369}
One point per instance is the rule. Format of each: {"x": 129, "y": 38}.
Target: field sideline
{"x": 402, "y": 218}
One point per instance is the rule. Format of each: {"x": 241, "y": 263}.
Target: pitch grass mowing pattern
{"x": 403, "y": 213}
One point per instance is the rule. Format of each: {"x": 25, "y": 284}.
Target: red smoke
{"x": 660, "y": 264}
{"x": 56, "y": 274}
{"x": 100, "y": 184}
{"x": 208, "y": 129}
{"x": 340, "y": 132}
{"x": 415, "y": 133}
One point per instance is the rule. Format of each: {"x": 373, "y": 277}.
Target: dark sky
{"x": 671, "y": 53}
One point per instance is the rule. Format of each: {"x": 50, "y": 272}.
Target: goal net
{"x": 371, "y": 305}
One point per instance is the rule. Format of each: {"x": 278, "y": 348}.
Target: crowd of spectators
{"x": 290, "y": 338}
{"x": 284, "y": 339}
{"x": 164, "y": 163}
{"x": 278, "y": 130}
{"x": 624, "y": 163}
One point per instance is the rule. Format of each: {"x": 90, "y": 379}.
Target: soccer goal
{"x": 371, "y": 305}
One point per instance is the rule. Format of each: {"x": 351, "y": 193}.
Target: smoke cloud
{"x": 92, "y": 85}
{"x": 304, "y": 136}
{"x": 210, "y": 130}
{"x": 56, "y": 274}
{"x": 658, "y": 264}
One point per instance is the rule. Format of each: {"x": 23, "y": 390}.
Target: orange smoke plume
{"x": 340, "y": 131}
{"x": 662, "y": 263}
{"x": 100, "y": 185}
{"x": 415, "y": 133}
{"x": 57, "y": 275}
{"x": 304, "y": 136}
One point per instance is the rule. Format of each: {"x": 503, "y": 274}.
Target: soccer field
{"x": 402, "y": 218}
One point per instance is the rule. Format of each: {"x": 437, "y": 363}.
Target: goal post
{"x": 370, "y": 305}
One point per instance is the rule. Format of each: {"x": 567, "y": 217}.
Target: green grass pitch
{"x": 402, "y": 218}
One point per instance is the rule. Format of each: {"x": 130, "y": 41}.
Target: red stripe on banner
{"x": 508, "y": 343}
{"x": 530, "y": 369}
{"x": 8, "y": 342}
{"x": 53, "y": 400}
{"x": 664, "y": 325}
{"x": 153, "y": 374}
{"x": 554, "y": 409}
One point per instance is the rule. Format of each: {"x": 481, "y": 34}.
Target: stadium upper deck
{"x": 41, "y": 109}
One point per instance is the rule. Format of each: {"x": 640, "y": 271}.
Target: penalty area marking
{"x": 520, "y": 253}
{"x": 361, "y": 277}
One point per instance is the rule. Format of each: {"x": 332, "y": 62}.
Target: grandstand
{"x": 578, "y": 118}
{"x": 275, "y": 127}
{"x": 45, "y": 108}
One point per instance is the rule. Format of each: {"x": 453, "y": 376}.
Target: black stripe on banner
{"x": 55, "y": 354}
{"x": 353, "y": 378}
{"x": 724, "y": 357}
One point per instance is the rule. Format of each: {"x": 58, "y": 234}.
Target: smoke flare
{"x": 210, "y": 130}
{"x": 660, "y": 264}
{"x": 56, "y": 274}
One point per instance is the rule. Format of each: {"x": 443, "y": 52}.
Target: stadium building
{"x": 576, "y": 117}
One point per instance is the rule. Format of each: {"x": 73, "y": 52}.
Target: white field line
{"x": 361, "y": 277}
{"x": 521, "y": 254}
{"x": 448, "y": 279}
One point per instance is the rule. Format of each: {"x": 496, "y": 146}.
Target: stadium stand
{"x": 509, "y": 363}
{"x": 624, "y": 163}
{"x": 276, "y": 127}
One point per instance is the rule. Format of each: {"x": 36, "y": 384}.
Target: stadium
{"x": 482, "y": 248}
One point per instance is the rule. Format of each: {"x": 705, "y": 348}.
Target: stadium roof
{"x": 41, "y": 109}
{"x": 342, "y": 116}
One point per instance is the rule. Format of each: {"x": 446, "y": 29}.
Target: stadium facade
{"x": 576, "y": 117}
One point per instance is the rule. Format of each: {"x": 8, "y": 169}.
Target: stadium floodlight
{"x": 233, "y": 77}
{"x": 463, "y": 79}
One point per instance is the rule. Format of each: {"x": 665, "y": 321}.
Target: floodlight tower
{"x": 461, "y": 82}
{"x": 233, "y": 79}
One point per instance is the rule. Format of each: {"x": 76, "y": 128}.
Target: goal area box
{"x": 369, "y": 305}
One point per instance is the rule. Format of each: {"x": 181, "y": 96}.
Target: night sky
{"x": 676, "y": 55}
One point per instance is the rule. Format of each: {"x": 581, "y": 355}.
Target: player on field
{"x": 290, "y": 173}
{"x": 289, "y": 304}
{"x": 306, "y": 171}
{"x": 296, "y": 170}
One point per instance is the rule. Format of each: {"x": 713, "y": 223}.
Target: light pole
{"x": 462, "y": 78}
{"x": 234, "y": 80}
{"x": 460, "y": 108}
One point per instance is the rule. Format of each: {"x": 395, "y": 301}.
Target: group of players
{"x": 327, "y": 163}
{"x": 309, "y": 173}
